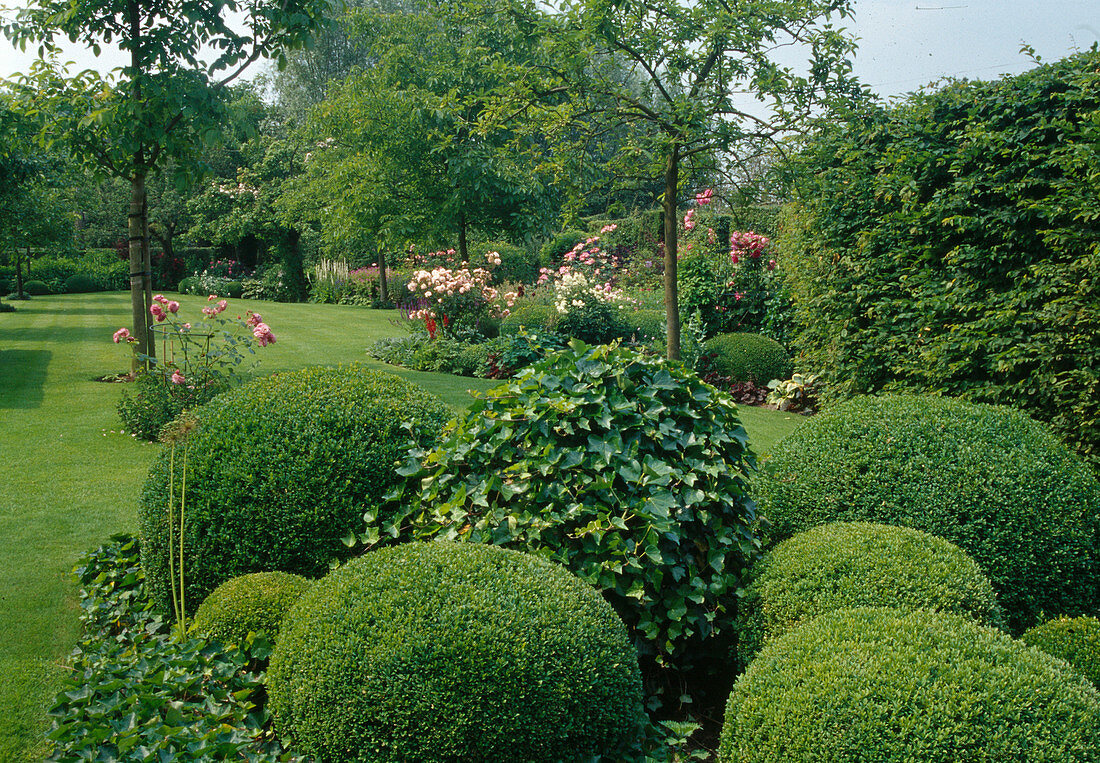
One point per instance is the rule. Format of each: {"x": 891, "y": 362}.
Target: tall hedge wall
{"x": 951, "y": 244}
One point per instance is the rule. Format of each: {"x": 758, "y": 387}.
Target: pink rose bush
{"x": 455, "y": 300}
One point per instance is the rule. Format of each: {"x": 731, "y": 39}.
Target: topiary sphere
{"x": 645, "y": 325}
{"x": 884, "y": 685}
{"x": 748, "y": 358}
{"x": 278, "y": 471}
{"x": 531, "y": 316}
{"x": 1073, "y": 639}
{"x": 857, "y": 564}
{"x": 986, "y": 478}
{"x": 36, "y": 288}
{"x": 454, "y": 651}
{"x": 80, "y": 283}
{"x": 254, "y": 602}
{"x": 624, "y": 468}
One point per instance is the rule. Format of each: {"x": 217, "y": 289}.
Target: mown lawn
{"x": 70, "y": 478}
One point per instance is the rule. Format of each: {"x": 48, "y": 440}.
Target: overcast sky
{"x": 903, "y": 44}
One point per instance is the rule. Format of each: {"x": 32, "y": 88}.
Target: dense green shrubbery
{"x": 551, "y": 253}
{"x": 254, "y": 603}
{"x": 36, "y": 288}
{"x": 155, "y": 401}
{"x": 1073, "y": 639}
{"x": 886, "y": 686}
{"x": 279, "y": 471}
{"x": 136, "y": 691}
{"x": 517, "y": 265}
{"x": 946, "y": 245}
{"x": 987, "y": 478}
{"x": 80, "y": 283}
{"x": 645, "y": 325}
{"x": 747, "y": 358}
{"x": 626, "y": 469}
{"x": 447, "y": 651}
{"x": 855, "y": 564}
{"x": 532, "y": 316}
{"x": 102, "y": 268}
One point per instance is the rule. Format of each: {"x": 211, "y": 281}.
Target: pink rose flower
{"x": 177, "y": 377}
{"x": 161, "y": 298}
{"x": 173, "y": 306}
{"x": 157, "y": 311}
{"x": 222, "y": 305}
{"x": 122, "y": 335}
{"x": 212, "y": 297}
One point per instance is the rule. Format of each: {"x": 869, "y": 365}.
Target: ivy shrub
{"x": 987, "y": 478}
{"x": 946, "y": 244}
{"x": 451, "y": 651}
{"x": 859, "y": 564}
{"x": 1073, "y": 639}
{"x": 747, "y": 358}
{"x": 279, "y": 471}
{"x": 254, "y": 603}
{"x": 624, "y": 468}
{"x": 884, "y": 685}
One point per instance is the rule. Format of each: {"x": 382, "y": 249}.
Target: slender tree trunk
{"x": 672, "y": 293}
{"x": 463, "y": 250}
{"x": 146, "y": 255}
{"x": 383, "y": 287}
{"x": 138, "y": 302}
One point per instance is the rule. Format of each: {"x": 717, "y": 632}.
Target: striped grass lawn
{"x": 69, "y": 478}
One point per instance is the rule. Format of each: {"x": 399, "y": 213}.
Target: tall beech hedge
{"x": 951, "y": 243}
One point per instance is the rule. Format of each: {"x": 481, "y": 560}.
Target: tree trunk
{"x": 139, "y": 304}
{"x": 672, "y": 293}
{"x": 463, "y": 250}
{"x": 383, "y": 287}
{"x": 146, "y": 256}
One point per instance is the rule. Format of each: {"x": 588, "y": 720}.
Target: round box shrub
{"x": 883, "y": 685}
{"x": 255, "y": 602}
{"x": 1073, "y": 639}
{"x": 80, "y": 284}
{"x": 987, "y": 478}
{"x": 531, "y": 316}
{"x": 454, "y": 651}
{"x": 645, "y": 325}
{"x": 748, "y": 358}
{"x": 624, "y": 468}
{"x": 279, "y": 471}
{"x": 36, "y": 288}
{"x": 857, "y": 564}
{"x": 187, "y": 285}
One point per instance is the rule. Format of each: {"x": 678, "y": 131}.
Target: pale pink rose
{"x": 157, "y": 312}
{"x": 254, "y": 319}
{"x": 222, "y": 305}
{"x": 122, "y": 335}
{"x": 177, "y": 377}
{"x": 161, "y": 298}
{"x": 173, "y": 307}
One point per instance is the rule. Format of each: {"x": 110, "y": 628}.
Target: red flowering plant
{"x": 196, "y": 362}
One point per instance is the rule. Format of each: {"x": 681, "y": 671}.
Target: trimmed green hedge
{"x": 531, "y": 316}
{"x": 883, "y": 686}
{"x": 453, "y": 651}
{"x": 36, "y": 288}
{"x": 645, "y": 325}
{"x": 80, "y": 284}
{"x": 857, "y": 564}
{"x": 249, "y": 603}
{"x": 1073, "y": 639}
{"x": 986, "y": 478}
{"x": 748, "y": 358}
{"x": 279, "y": 471}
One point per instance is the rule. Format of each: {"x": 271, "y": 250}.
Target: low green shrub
{"x": 279, "y": 471}
{"x": 254, "y": 603}
{"x": 154, "y": 401}
{"x": 624, "y": 468}
{"x": 449, "y": 651}
{"x": 36, "y": 288}
{"x": 1073, "y": 639}
{"x": 644, "y": 325}
{"x": 5, "y": 287}
{"x": 883, "y": 685}
{"x": 80, "y": 284}
{"x": 187, "y": 286}
{"x": 532, "y": 316}
{"x": 857, "y": 564}
{"x": 986, "y": 478}
{"x": 517, "y": 265}
{"x": 748, "y": 358}
{"x": 555, "y": 248}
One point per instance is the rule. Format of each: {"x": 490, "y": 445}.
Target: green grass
{"x": 71, "y": 478}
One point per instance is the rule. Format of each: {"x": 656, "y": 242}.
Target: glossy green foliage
{"x": 884, "y": 686}
{"x": 987, "y": 478}
{"x": 279, "y": 471}
{"x": 1073, "y": 639}
{"x": 246, "y": 604}
{"x": 858, "y": 564}
{"x": 950, "y": 244}
{"x": 451, "y": 651}
{"x": 747, "y": 357}
{"x": 135, "y": 692}
{"x": 623, "y": 467}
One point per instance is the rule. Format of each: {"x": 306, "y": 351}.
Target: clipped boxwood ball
{"x": 531, "y": 316}
{"x": 748, "y": 358}
{"x": 622, "y": 467}
{"x": 80, "y": 283}
{"x": 36, "y": 288}
{"x": 857, "y": 564}
{"x": 278, "y": 471}
{"x": 884, "y": 685}
{"x": 254, "y": 602}
{"x": 454, "y": 652}
{"x": 987, "y": 478}
{"x": 1073, "y": 639}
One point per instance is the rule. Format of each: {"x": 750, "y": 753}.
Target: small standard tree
{"x": 166, "y": 104}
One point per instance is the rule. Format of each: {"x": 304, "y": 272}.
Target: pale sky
{"x": 904, "y": 44}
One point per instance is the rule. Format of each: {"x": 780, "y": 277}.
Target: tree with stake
{"x": 165, "y": 105}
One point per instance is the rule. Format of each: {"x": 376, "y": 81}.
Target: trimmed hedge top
{"x": 279, "y": 471}
{"x": 986, "y": 478}
{"x": 249, "y": 603}
{"x": 455, "y": 651}
{"x": 886, "y": 686}
{"x": 857, "y": 564}
{"x": 748, "y": 358}
{"x": 1073, "y": 639}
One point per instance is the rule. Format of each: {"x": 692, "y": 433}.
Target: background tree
{"x": 165, "y": 104}
{"x": 702, "y": 78}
